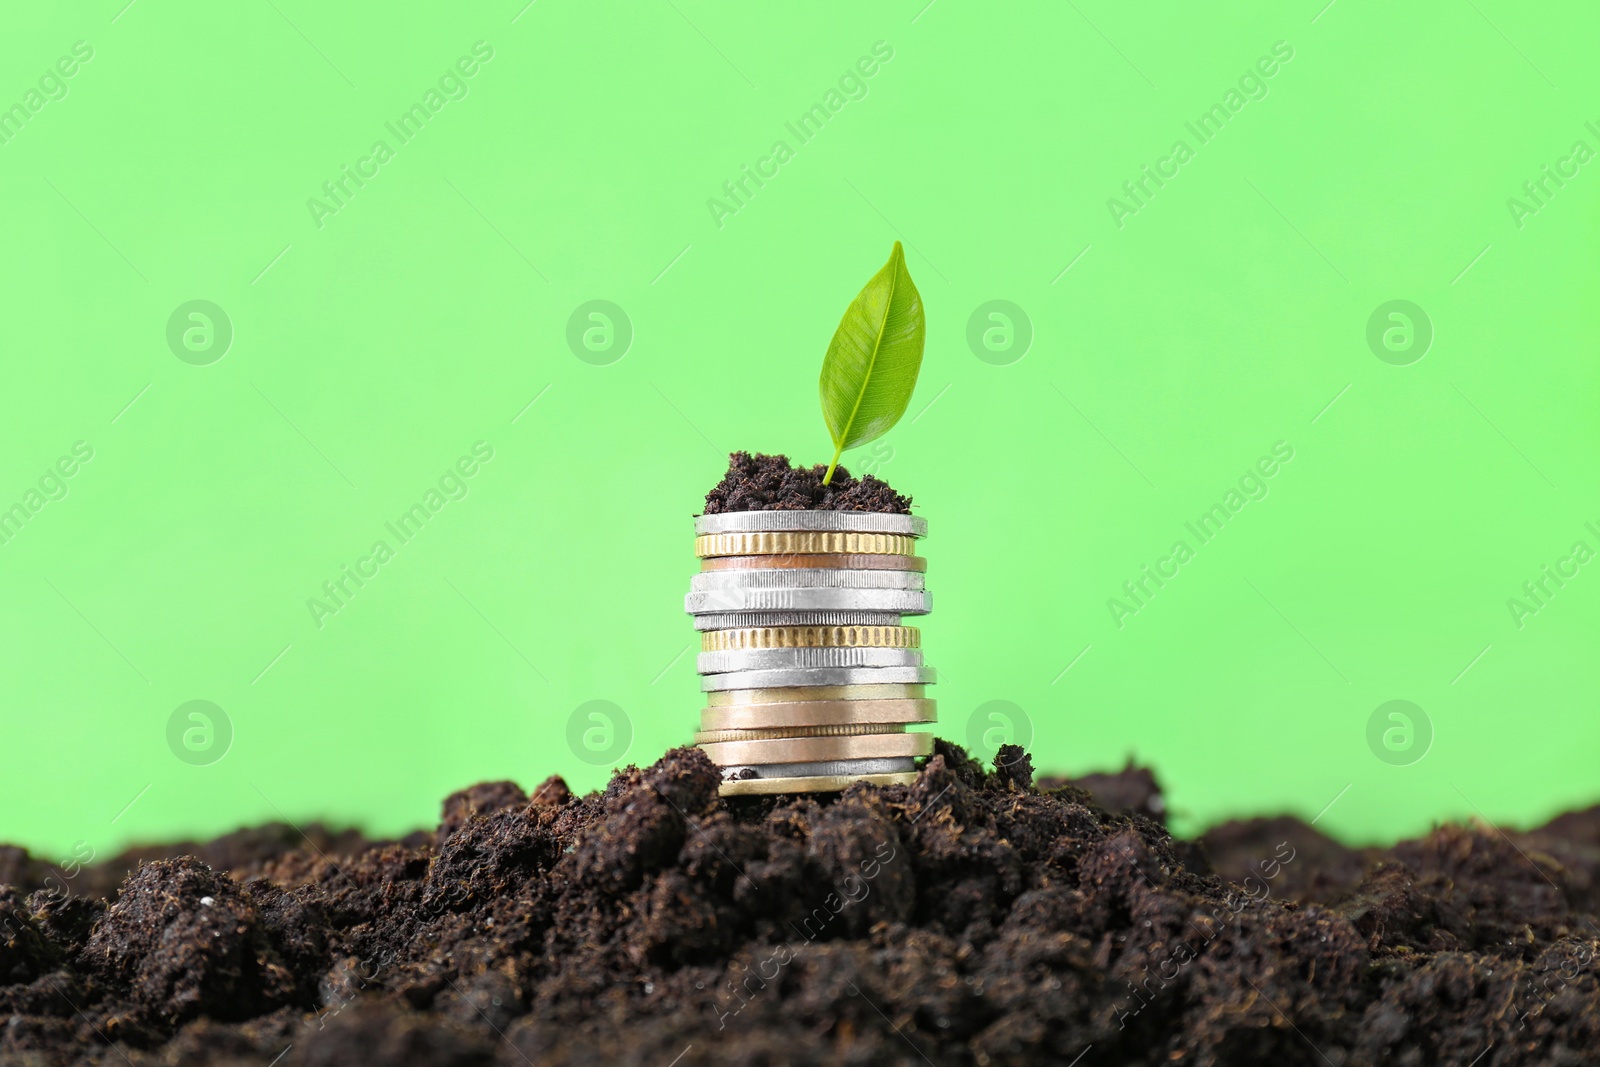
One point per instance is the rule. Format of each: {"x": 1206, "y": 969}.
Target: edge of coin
{"x": 768, "y": 733}
{"x": 734, "y": 660}
{"x": 841, "y": 713}
{"x": 745, "y": 638}
{"x": 795, "y": 694}
{"x": 804, "y": 542}
{"x": 792, "y": 600}
{"x": 741, "y": 620}
{"x": 745, "y": 787}
{"x": 808, "y": 677}
{"x": 817, "y": 749}
{"x": 818, "y": 520}
{"x": 809, "y": 578}
{"x": 861, "y": 561}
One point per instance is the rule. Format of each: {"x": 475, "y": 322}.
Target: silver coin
{"x": 886, "y": 765}
{"x": 760, "y": 659}
{"x": 900, "y": 601}
{"x": 807, "y": 578}
{"x": 787, "y": 677}
{"x": 784, "y": 521}
{"x": 743, "y": 619}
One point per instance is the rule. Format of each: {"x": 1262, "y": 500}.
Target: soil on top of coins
{"x": 971, "y": 917}
{"x": 771, "y": 483}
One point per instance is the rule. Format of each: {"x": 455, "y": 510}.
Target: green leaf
{"x": 871, "y": 366}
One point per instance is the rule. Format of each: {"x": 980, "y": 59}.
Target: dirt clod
{"x": 973, "y": 917}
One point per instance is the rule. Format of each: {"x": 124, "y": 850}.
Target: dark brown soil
{"x": 969, "y": 918}
{"x": 771, "y": 483}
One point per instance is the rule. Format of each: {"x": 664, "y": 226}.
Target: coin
{"x": 846, "y": 560}
{"x": 762, "y": 733}
{"x": 809, "y": 749}
{"x": 897, "y": 601}
{"x": 762, "y": 659}
{"x": 768, "y": 544}
{"x": 867, "y": 693}
{"x": 750, "y": 787}
{"x": 815, "y": 676}
{"x": 742, "y": 620}
{"x": 817, "y": 714}
{"x": 811, "y": 637}
{"x": 775, "y": 521}
{"x": 882, "y": 765}
{"x": 808, "y": 578}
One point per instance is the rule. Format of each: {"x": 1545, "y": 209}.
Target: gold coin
{"x": 806, "y": 542}
{"x": 746, "y": 787}
{"x": 765, "y": 733}
{"x": 815, "y": 713}
{"x": 809, "y": 693}
{"x": 811, "y": 637}
{"x": 817, "y": 749}
{"x": 840, "y": 560}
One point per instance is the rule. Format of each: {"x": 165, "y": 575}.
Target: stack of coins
{"x": 811, "y": 677}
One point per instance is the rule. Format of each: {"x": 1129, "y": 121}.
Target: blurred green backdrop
{"x": 1196, "y": 223}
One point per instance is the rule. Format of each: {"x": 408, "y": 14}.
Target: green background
{"x": 371, "y": 351}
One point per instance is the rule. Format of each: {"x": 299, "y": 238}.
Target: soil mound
{"x": 969, "y": 918}
{"x": 771, "y": 483}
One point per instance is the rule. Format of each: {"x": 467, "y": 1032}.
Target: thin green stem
{"x": 827, "y": 479}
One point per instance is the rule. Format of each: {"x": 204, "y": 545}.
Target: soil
{"x": 771, "y": 483}
{"x": 970, "y": 918}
